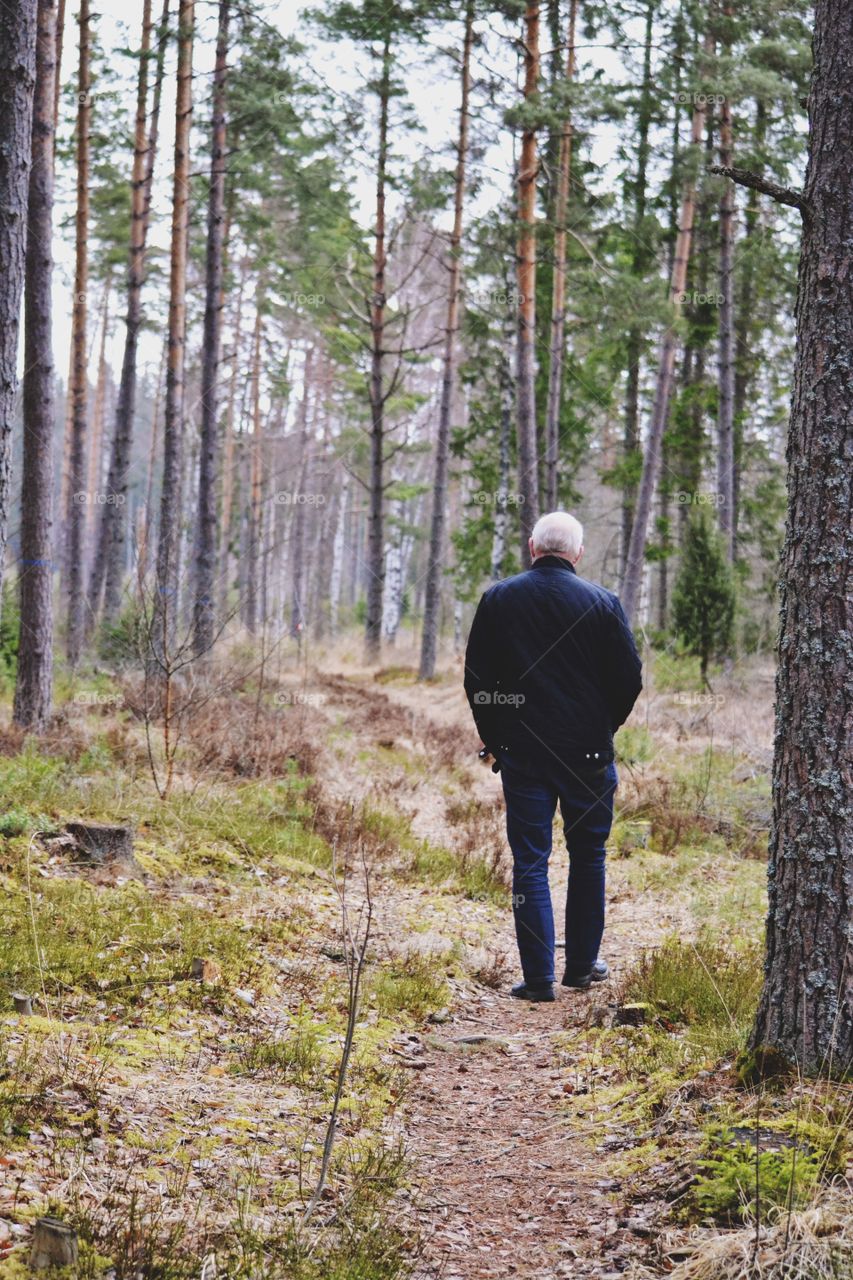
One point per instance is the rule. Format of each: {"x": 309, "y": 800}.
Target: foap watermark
{"x": 699, "y": 699}
{"x": 700, "y": 99}
{"x": 299, "y": 698}
{"x": 91, "y": 698}
{"x": 493, "y": 298}
{"x": 98, "y": 499}
{"x": 305, "y": 299}
{"x": 299, "y": 499}
{"x": 497, "y": 698}
{"x": 695, "y": 298}
{"x": 498, "y": 499}
{"x": 687, "y": 498}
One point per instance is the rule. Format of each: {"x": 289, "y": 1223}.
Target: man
{"x": 551, "y": 671}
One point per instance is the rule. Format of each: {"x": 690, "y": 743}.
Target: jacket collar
{"x": 553, "y": 562}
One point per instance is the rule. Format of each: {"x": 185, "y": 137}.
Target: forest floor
{"x": 173, "y": 1121}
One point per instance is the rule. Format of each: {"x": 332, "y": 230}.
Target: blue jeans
{"x": 586, "y": 805}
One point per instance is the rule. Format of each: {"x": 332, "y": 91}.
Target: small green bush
{"x": 735, "y": 1183}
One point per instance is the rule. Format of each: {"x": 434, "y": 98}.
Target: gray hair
{"x": 558, "y": 533}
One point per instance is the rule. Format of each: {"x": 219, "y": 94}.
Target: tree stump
{"x": 23, "y": 1003}
{"x": 100, "y": 843}
{"x": 54, "y": 1244}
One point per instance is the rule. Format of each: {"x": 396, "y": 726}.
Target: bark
{"x": 435, "y": 562}
{"x": 725, "y": 412}
{"x": 528, "y": 487}
{"x": 34, "y": 680}
{"x": 228, "y": 462}
{"x": 110, "y": 554}
{"x": 556, "y": 352}
{"x": 96, "y": 443}
{"x": 168, "y": 544}
{"x": 641, "y": 257}
{"x": 297, "y": 611}
{"x": 633, "y": 572}
{"x": 806, "y": 1009}
{"x": 208, "y": 477}
{"x": 77, "y": 493}
{"x": 375, "y": 528}
{"x": 17, "y": 84}
{"x": 255, "y": 483}
{"x": 338, "y": 557}
{"x": 501, "y": 529}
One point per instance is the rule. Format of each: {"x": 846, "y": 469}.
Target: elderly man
{"x": 551, "y": 671}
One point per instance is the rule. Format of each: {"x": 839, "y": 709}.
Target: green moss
{"x": 736, "y": 1181}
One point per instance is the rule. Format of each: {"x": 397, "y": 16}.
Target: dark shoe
{"x": 583, "y": 981}
{"x": 536, "y": 995}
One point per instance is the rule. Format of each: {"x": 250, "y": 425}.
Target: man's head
{"x": 557, "y": 534}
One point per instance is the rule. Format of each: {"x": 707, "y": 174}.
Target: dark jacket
{"x": 551, "y": 668}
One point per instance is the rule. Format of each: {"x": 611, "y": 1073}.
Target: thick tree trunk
{"x": 17, "y": 83}
{"x": 77, "y": 493}
{"x": 556, "y": 351}
{"x": 376, "y": 531}
{"x": 725, "y": 411}
{"x": 528, "y": 461}
{"x": 633, "y": 572}
{"x": 641, "y": 256}
{"x": 208, "y": 477}
{"x": 806, "y": 1010}
{"x": 108, "y": 569}
{"x": 168, "y": 544}
{"x": 34, "y": 681}
{"x": 435, "y": 562}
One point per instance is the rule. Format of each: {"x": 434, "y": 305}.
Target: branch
{"x": 782, "y": 195}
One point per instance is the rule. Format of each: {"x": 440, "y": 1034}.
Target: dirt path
{"x": 507, "y": 1180}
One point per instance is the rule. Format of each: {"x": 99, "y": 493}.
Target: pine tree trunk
{"x": 376, "y": 531}
{"x": 528, "y": 462}
{"x": 208, "y": 478}
{"x": 806, "y": 1010}
{"x": 17, "y": 83}
{"x": 108, "y": 569}
{"x": 297, "y": 610}
{"x": 77, "y": 493}
{"x": 96, "y": 443}
{"x": 338, "y": 558}
{"x": 228, "y": 459}
{"x": 168, "y": 544}
{"x": 435, "y": 562}
{"x": 640, "y": 260}
{"x": 556, "y": 351}
{"x": 633, "y": 574}
{"x": 34, "y": 681}
{"x": 725, "y": 412}
{"x": 253, "y": 550}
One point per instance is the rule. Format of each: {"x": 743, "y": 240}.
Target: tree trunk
{"x": 96, "y": 443}
{"x": 528, "y": 462}
{"x": 376, "y": 532}
{"x": 253, "y": 549}
{"x": 77, "y": 494}
{"x": 108, "y": 569}
{"x": 338, "y": 558}
{"x": 168, "y": 544}
{"x": 297, "y": 560}
{"x": 208, "y": 477}
{"x": 633, "y": 572}
{"x": 558, "y": 296}
{"x": 640, "y": 261}
{"x": 34, "y": 681}
{"x": 17, "y": 82}
{"x": 725, "y": 412}
{"x": 228, "y": 462}
{"x": 435, "y": 561}
{"x": 806, "y": 1009}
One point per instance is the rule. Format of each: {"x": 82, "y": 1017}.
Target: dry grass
{"x": 814, "y": 1244}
